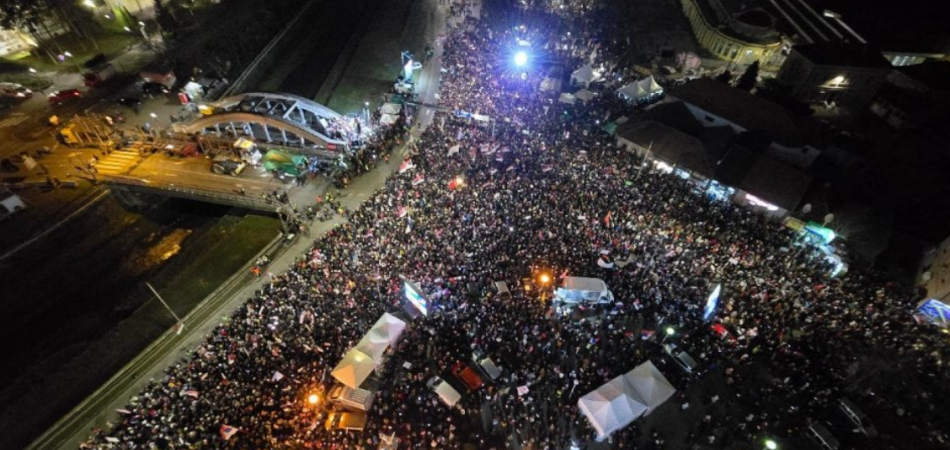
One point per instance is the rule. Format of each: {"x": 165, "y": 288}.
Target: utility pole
{"x": 181, "y": 325}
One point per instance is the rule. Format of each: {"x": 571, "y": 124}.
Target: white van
{"x": 445, "y": 391}
{"x": 583, "y": 290}
{"x": 352, "y": 399}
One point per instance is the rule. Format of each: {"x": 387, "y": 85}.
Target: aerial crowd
{"x": 543, "y": 190}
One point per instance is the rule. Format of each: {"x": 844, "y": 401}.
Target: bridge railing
{"x": 193, "y": 193}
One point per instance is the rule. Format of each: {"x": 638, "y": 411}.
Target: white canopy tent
{"x": 354, "y": 369}
{"x": 390, "y": 108}
{"x": 641, "y": 90}
{"x": 584, "y": 95}
{"x": 584, "y": 76}
{"x": 387, "y": 119}
{"x": 612, "y": 406}
{"x": 373, "y": 345}
{"x": 625, "y": 398}
{"x": 389, "y": 326}
{"x": 566, "y": 98}
{"x": 652, "y": 387}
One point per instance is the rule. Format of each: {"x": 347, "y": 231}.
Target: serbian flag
{"x": 406, "y": 166}
{"x": 190, "y": 393}
{"x": 419, "y": 179}
{"x": 227, "y": 431}
{"x": 607, "y": 219}
{"x": 454, "y": 184}
{"x": 401, "y": 212}
{"x": 547, "y": 168}
{"x": 646, "y": 334}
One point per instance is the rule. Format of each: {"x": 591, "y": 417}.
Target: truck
{"x": 98, "y": 75}
{"x": 164, "y": 77}
{"x": 352, "y": 399}
{"x": 223, "y": 164}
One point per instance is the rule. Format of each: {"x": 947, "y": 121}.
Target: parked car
{"x": 14, "y": 90}
{"x": 98, "y": 75}
{"x": 818, "y": 433}
{"x": 467, "y": 376}
{"x": 223, "y": 164}
{"x": 487, "y": 366}
{"x": 861, "y": 422}
{"x": 445, "y": 391}
{"x": 352, "y": 399}
{"x": 682, "y": 359}
{"x": 346, "y": 421}
{"x": 63, "y": 96}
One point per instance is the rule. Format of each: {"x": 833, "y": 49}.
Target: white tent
{"x": 566, "y": 98}
{"x": 373, "y": 345}
{"x": 584, "y": 76}
{"x": 390, "y": 108}
{"x": 641, "y": 90}
{"x": 387, "y": 119}
{"x": 353, "y": 370}
{"x": 388, "y": 326}
{"x": 612, "y": 406}
{"x": 584, "y": 95}
{"x": 650, "y": 384}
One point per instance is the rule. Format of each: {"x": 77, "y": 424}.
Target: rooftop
{"x": 839, "y": 54}
{"x": 742, "y": 108}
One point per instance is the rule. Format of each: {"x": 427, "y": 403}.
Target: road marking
{"x": 14, "y": 120}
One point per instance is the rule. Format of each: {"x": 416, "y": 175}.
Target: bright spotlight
{"x": 521, "y": 58}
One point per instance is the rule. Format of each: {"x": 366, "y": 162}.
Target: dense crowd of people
{"x": 543, "y": 191}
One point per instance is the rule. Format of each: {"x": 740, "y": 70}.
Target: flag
{"x": 406, "y": 166}
{"x": 563, "y": 274}
{"x": 646, "y": 334}
{"x": 419, "y": 179}
{"x": 401, "y": 212}
{"x": 123, "y": 411}
{"x": 227, "y": 431}
{"x": 607, "y": 219}
{"x": 522, "y": 390}
{"x": 453, "y": 149}
{"x": 190, "y": 393}
{"x": 277, "y": 376}
{"x": 547, "y": 168}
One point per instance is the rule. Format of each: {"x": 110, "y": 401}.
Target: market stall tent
{"x": 584, "y": 76}
{"x": 652, "y": 387}
{"x": 373, "y": 345}
{"x": 388, "y": 326}
{"x": 354, "y": 369}
{"x": 612, "y": 406}
{"x": 642, "y": 90}
{"x": 584, "y": 95}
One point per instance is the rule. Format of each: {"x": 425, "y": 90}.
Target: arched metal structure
{"x": 276, "y": 119}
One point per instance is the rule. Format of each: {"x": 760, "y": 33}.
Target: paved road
{"x": 100, "y": 407}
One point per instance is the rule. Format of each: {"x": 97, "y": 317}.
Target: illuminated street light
{"x": 770, "y": 444}
{"x": 669, "y": 332}
{"x": 89, "y": 3}
{"x": 68, "y": 55}
{"x": 32, "y": 70}
{"x": 127, "y": 29}
{"x": 545, "y": 278}
{"x": 521, "y": 58}
{"x": 459, "y": 181}
{"x": 153, "y": 115}
{"x": 313, "y": 399}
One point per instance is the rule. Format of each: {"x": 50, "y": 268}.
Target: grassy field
{"x": 86, "y": 309}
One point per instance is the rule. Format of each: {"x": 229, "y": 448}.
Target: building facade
{"x": 846, "y": 75}
{"x": 737, "y": 34}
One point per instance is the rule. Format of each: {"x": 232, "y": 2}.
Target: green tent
{"x": 285, "y": 162}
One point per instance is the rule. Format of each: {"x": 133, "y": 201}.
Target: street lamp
{"x": 313, "y": 399}
{"x": 669, "y": 332}
{"x": 770, "y": 444}
{"x": 89, "y": 3}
